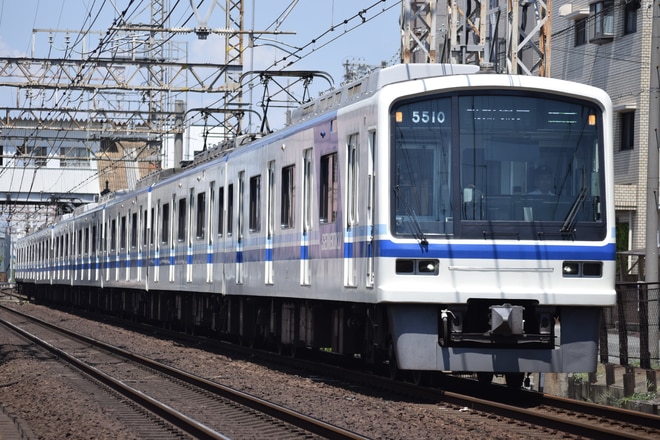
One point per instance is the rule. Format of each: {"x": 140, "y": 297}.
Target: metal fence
{"x": 630, "y": 328}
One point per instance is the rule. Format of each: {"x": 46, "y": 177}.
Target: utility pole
{"x": 418, "y": 31}
{"x": 478, "y": 32}
{"x": 652, "y": 184}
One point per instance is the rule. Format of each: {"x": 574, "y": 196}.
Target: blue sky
{"x": 372, "y": 40}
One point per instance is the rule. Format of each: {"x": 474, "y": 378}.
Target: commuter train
{"x": 395, "y": 220}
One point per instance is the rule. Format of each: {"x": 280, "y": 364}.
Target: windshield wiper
{"x": 417, "y": 232}
{"x": 569, "y": 221}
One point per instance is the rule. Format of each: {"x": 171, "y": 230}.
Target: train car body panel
{"x": 396, "y": 219}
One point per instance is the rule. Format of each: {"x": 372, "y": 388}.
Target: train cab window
{"x": 201, "y": 215}
{"x": 181, "y": 228}
{"x": 165, "y": 234}
{"x": 473, "y": 160}
{"x": 287, "y": 208}
{"x": 328, "y": 189}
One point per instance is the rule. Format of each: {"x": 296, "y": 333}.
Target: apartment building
{"x": 607, "y": 44}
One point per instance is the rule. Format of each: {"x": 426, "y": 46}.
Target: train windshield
{"x": 524, "y": 166}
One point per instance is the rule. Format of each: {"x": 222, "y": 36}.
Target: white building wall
{"x": 621, "y": 67}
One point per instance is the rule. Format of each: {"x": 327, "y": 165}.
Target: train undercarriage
{"x": 387, "y": 339}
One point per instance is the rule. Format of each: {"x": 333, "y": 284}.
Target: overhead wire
{"x": 58, "y": 101}
{"x": 300, "y": 53}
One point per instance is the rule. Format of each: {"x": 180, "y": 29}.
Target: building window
{"x": 602, "y": 16}
{"x": 627, "y": 123}
{"x": 74, "y": 157}
{"x": 33, "y": 156}
{"x": 580, "y": 32}
{"x": 630, "y": 16}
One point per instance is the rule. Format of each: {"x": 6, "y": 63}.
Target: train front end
{"x": 497, "y": 246}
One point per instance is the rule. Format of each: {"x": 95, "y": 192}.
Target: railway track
{"x": 524, "y": 412}
{"x": 193, "y": 406}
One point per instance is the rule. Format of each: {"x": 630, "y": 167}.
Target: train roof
{"x": 368, "y": 85}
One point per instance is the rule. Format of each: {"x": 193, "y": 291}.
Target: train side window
{"x": 113, "y": 235}
{"x": 144, "y": 226}
{"x": 328, "y": 190}
{"x": 230, "y": 209}
{"x": 240, "y": 199}
{"x": 181, "y": 229}
{"x": 104, "y": 236}
{"x": 352, "y": 181}
{"x": 306, "y": 191}
{"x": 122, "y": 231}
{"x": 166, "y": 224}
{"x": 94, "y": 239}
{"x": 87, "y": 240}
{"x": 152, "y": 223}
{"x": 255, "y": 204}
{"x": 191, "y": 212}
{"x": 270, "y": 199}
{"x": 221, "y": 210}
{"x": 201, "y": 215}
{"x": 211, "y": 209}
{"x": 287, "y": 210}
{"x": 134, "y": 229}
{"x": 80, "y": 239}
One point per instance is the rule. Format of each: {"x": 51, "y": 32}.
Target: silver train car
{"x": 401, "y": 219}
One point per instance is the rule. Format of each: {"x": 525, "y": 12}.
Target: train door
{"x": 142, "y": 239}
{"x": 133, "y": 253}
{"x": 124, "y": 246}
{"x": 239, "y": 228}
{"x": 171, "y": 237}
{"x": 78, "y": 253}
{"x": 208, "y": 219}
{"x": 95, "y": 248}
{"x": 52, "y": 254}
{"x": 270, "y": 223}
{"x": 371, "y": 184}
{"x": 351, "y": 217}
{"x": 330, "y": 226}
{"x": 306, "y": 220}
{"x": 189, "y": 236}
{"x": 104, "y": 248}
{"x": 87, "y": 266}
{"x": 222, "y": 237}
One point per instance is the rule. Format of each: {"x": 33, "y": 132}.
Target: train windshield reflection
{"x": 495, "y": 158}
